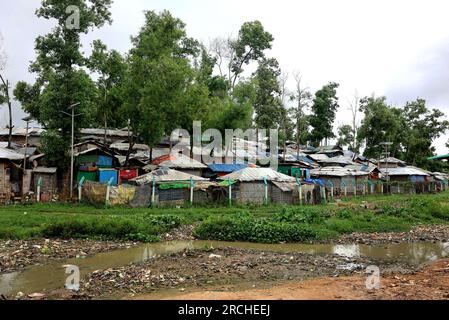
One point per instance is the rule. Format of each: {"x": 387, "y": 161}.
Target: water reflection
{"x": 52, "y": 275}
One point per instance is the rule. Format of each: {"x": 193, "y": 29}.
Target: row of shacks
{"x": 106, "y": 172}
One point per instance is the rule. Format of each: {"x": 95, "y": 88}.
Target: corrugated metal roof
{"x": 318, "y": 156}
{"x": 391, "y": 160}
{"x": 361, "y": 167}
{"x": 225, "y": 167}
{"x": 257, "y": 174}
{"x": 285, "y": 186}
{"x": 29, "y": 150}
{"x": 165, "y": 175}
{"x": 440, "y": 175}
{"x": 22, "y": 131}
{"x": 337, "y": 172}
{"x": 109, "y": 132}
{"x": 10, "y": 154}
{"x": 125, "y": 146}
{"x": 338, "y": 160}
{"x": 180, "y": 161}
{"x": 404, "y": 171}
{"x": 45, "y": 170}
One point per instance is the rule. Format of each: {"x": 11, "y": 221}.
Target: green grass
{"x": 273, "y": 223}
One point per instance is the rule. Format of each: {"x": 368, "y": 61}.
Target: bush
{"x": 109, "y": 229}
{"x": 300, "y": 215}
{"x": 163, "y": 222}
{"x": 244, "y": 228}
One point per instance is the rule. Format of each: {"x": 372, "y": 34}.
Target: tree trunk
{"x": 8, "y": 101}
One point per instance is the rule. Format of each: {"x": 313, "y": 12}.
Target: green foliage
{"x": 412, "y": 130}
{"x": 324, "y": 109}
{"x": 161, "y": 91}
{"x": 61, "y": 79}
{"x": 345, "y": 136}
{"x": 166, "y": 222}
{"x": 250, "y": 45}
{"x": 268, "y": 104}
{"x": 53, "y": 143}
{"x": 246, "y": 228}
{"x": 111, "y": 67}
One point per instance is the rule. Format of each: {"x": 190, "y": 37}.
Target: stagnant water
{"x": 52, "y": 275}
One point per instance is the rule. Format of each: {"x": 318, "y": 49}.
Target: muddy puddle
{"x": 52, "y": 275}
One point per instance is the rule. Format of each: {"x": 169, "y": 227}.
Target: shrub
{"x": 110, "y": 229}
{"x": 253, "y": 230}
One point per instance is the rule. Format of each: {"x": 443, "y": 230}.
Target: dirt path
{"x": 430, "y": 283}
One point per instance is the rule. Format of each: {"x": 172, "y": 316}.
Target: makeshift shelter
{"x": 89, "y": 161}
{"x": 331, "y": 151}
{"x": 252, "y": 185}
{"x": 47, "y": 179}
{"x": 390, "y": 162}
{"x": 335, "y": 161}
{"x": 222, "y": 169}
{"x": 406, "y": 179}
{"x": 19, "y": 136}
{"x": 318, "y": 157}
{"x": 123, "y": 147}
{"x": 10, "y": 175}
{"x": 178, "y": 162}
{"x": 343, "y": 180}
{"x": 171, "y": 188}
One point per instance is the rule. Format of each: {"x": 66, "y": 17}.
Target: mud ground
{"x": 15, "y": 255}
{"x": 430, "y": 283}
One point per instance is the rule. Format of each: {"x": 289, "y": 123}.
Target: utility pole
{"x": 27, "y": 119}
{"x": 72, "y": 107}
{"x": 386, "y": 154}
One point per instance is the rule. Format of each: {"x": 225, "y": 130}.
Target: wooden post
{"x": 108, "y": 188}
{"x": 153, "y": 191}
{"x": 191, "y": 191}
{"x": 323, "y": 192}
{"x": 80, "y": 188}
{"x": 299, "y": 190}
{"x": 230, "y": 192}
{"x": 266, "y": 190}
{"x": 39, "y": 184}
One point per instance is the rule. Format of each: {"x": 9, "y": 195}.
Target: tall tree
{"x": 381, "y": 123}
{"x": 61, "y": 78}
{"x": 422, "y": 127}
{"x": 303, "y": 98}
{"x": 268, "y": 103}
{"x": 324, "y": 108}
{"x": 345, "y": 136}
{"x": 354, "y": 108}
{"x": 4, "y": 89}
{"x": 111, "y": 68}
{"x": 285, "y": 122}
{"x": 162, "y": 91}
{"x": 233, "y": 54}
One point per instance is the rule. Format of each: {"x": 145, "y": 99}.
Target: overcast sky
{"x": 396, "y": 48}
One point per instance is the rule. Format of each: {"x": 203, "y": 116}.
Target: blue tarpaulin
{"x": 315, "y": 181}
{"x": 106, "y": 174}
{"x": 417, "y": 179}
{"x": 227, "y": 168}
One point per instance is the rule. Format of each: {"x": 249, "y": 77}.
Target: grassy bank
{"x": 242, "y": 223}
